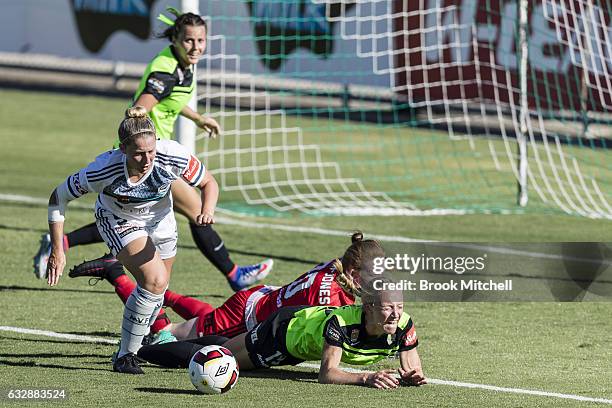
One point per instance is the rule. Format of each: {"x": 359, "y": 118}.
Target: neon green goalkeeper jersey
{"x": 344, "y": 327}
{"x": 171, "y": 85}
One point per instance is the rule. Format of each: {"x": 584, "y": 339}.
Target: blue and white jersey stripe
{"x": 147, "y": 200}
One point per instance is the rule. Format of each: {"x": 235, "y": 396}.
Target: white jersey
{"x": 149, "y": 199}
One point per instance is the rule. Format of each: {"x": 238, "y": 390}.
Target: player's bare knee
{"x": 159, "y": 286}
{"x": 156, "y": 284}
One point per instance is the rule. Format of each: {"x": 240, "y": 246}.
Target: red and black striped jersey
{"x": 317, "y": 287}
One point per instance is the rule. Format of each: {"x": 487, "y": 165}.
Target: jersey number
{"x": 300, "y": 284}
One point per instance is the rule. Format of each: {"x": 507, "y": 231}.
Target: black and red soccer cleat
{"x": 99, "y": 268}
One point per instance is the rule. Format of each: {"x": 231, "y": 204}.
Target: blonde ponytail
{"x": 135, "y": 124}
{"x": 136, "y": 111}
{"x": 346, "y": 281}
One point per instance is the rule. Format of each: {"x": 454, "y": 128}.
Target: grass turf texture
{"x": 559, "y": 347}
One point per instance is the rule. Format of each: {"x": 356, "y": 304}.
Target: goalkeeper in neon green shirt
{"x": 165, "y": 89}
{"x": 355, "y": 334}
{"x": 168, "y": 83}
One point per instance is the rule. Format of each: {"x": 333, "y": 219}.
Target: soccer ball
{"x": 213, "y": 370}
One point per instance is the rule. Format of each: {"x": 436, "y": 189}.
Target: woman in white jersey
{"x": 135, "y": 218}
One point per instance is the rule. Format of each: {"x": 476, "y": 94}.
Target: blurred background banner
{"x": 97, "y": 21}
{"x": 275, "y": 36}
{"x": 470, "y": 46}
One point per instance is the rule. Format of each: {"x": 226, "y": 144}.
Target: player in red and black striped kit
{"x": 334, "y": 283}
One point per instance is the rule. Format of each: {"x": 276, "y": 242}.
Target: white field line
{"x": 232, "y": 221}
{"x": 488, "y": 387}
{"x": 67, "y": 336}
{"x": 91, "y": 339}
{"x": 340, "y": 233}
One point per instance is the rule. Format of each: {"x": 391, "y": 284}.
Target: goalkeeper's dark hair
{"x": 182, "y": 20}
{"x": 135, "y": 124}
{"x": 359, "y": 257}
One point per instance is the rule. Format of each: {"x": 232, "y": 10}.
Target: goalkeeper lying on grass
{"x": 354, "y": 334}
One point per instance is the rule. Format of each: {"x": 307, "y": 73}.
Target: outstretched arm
{"x": 331, "y": 373}
{"x": 57, "y": 258}
{"x": 73, "y": 187}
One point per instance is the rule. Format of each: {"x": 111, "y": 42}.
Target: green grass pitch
{"x": 557, "y": 347}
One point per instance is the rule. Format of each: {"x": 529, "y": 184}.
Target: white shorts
{"x": 118, "y": 232}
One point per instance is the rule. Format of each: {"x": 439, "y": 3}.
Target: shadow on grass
{"x": 275, "y": 373}
{"x": 95, "y": 333}
{"x": 49, "y": 289}
{"x": 272, "y": 373}
{"x": 158, "y": 390}
{"x": 22, "y": 229}
{"x": 52, "y": 355}
{"x": 282, "y": 374}
{"x": 59, "y": 366}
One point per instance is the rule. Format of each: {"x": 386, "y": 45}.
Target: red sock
{"x": 185, "y": 306}
{"x": 162, "y": 321}
{"x": 66, "y": 244}
{"x": 124, "y": 287}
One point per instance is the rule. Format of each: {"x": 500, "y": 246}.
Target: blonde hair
{"x": 360, "y": 257}
{"x": 135, "y": 124}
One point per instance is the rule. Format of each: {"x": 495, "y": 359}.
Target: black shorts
{"x": 266, "y": 341}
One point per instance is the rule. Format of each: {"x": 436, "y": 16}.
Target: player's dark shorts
{"x": 266, "y": 342}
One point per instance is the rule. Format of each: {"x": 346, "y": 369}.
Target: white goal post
{"x": 185, "y": 130}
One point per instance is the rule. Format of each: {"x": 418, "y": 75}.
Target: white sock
{"x": 158, "y": 308}
{"x": 140, "y": 311}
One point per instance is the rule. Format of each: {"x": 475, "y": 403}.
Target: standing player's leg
{"x": 187, "y": 202}
{"x": 148, "y": 253}
{"x": 143, "y": 260}
{"x": 113, "y": 272}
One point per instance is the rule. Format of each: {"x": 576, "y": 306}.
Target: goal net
{"x": 396, "y": 107}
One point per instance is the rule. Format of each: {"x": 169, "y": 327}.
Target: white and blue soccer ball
{"x": 213, "y": 370}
